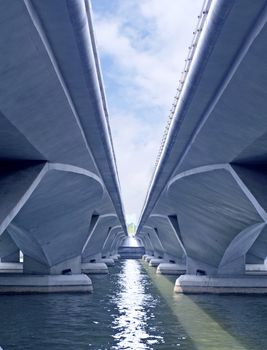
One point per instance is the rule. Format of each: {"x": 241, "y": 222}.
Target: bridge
{"x": 205, "y": 212}
{"x": 206, "y": 207}
{"x": 60, "y": 194}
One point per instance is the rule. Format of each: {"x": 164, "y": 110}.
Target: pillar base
{"x": 148, "y": 258}
{"x": 94, "y": 268}
{"x": 34, "y": 267}
{"x": 155, "y": 262}
{"x": 171, "y": 269}
{"x": 256, "y": 269}
{"x": 191, "y": 284}
{"x": 28, "y": 284}
{"x": 7, "y": 267}
{"x": 115, "y": 257}
{"x": 107, "y": 261}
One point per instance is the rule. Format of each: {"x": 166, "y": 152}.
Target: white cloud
{"x": 142, "y": 47}
{"x": 136, "y": 145}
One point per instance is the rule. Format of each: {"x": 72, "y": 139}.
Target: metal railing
{"x": 191, "y": 51}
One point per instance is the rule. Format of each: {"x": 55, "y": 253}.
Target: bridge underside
{"x": 60, "y": 197}
{"x": 210, "y": 185}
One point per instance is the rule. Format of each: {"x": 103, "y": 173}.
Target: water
{"x": 133, "y": 308}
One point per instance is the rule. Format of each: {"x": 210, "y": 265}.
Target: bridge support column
{"x": 41, "y": 278}
{"x": 21, "y": 283}
{"x": 11, "y": 258}
{"x": 230, "y": 274}
{"x": 95, "y": 268}
{"x": 9, "y": 255}
{"x": 190, "y": 284}
{"x": 67, "y": 267}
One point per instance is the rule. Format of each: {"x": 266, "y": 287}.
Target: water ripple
{"x": 134, "y": 309}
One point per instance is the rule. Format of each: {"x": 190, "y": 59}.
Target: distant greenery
{"x": 131, "y": 228}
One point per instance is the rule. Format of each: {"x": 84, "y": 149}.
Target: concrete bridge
{"x": 60, "y": 194}
{"x": 207, "y": 204}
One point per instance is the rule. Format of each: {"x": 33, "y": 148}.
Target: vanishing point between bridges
{"x": 193, "y": 275}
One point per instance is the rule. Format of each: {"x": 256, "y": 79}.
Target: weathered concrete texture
{"x": 171, "y": 269}
{"x": 7, "y": 267}
{"x": 94, "y": 268}
{"x": 14, "y": 284}
{"x": 221, "y": 284}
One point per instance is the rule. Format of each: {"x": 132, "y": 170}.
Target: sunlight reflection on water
{"x": 135, "y": 308}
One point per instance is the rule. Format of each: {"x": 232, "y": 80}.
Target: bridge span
{"x": 206, "y": 204}
{"x": 60, "y": 195}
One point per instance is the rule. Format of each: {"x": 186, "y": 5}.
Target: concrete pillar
{"x": 12, "y": 258}
{"x": 98, "y": 234}
{"x": 67, "y": 267}
{"x": 9, "y": 251}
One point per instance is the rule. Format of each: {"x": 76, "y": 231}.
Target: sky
{"x": 142, "y": 46}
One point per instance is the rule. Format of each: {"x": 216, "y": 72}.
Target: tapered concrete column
{"x": 9, "y": 251}
{"x": 92, "y": 258}
{"x": 107, "y": 249}
{"x": 70, "y": 266}
{"x": 97, "y": 236}
{"x": 168, "y": 233}
{"x": 12, "y": 258}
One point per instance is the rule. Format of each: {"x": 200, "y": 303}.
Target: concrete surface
{"x": 19, "y": 284}
{"x": 207, "y": 203}
{"x": 59, "y": 185}
{"x": 190, "y": 284}
{"x": 155, "y": 262}
{"x": 11, "y": 267}
{"x": 171, "y": 269}
{"x": 94, "y": 268}
{"x": 107, "y": 261}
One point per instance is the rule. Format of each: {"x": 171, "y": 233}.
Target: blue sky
{"x": 142, "y": 46}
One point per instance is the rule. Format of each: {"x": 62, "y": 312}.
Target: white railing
{"x": 191, "y": 51}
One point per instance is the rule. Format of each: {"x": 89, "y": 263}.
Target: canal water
{"x": 132, "y": 308}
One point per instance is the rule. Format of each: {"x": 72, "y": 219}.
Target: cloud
{"x": 142, "y": 46}
{"x": 136, "y": 145}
